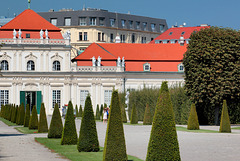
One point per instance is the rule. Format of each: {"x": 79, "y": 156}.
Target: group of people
{"x": 105, "y": 114}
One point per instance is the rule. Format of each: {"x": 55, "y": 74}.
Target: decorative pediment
{"x": 5, "y": 56}
{"x": 31, "y": 56}
{"x": 57, "y": 57}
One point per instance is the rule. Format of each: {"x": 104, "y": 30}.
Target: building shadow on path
{"x": 6, "y": 135}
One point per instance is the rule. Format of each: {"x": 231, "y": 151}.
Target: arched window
{"x": 56, "y": 66}
{"x": 4, "y": 65}
{"x": 30, "y": 65}
{"x": 146, "y": 67}
{"x": 180, "y": 67}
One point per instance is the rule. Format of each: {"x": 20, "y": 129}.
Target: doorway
{"x": 30, "y": 99}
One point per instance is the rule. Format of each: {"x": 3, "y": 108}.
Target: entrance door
{"x": 32, "y": 98}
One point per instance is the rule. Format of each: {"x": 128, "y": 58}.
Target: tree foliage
{"x": 212, "y": 71}
{"x": 80, "y": 111}
{"x": 97, "y": 113}
{"x": 42, "y": 125}
{"x": 76, "y": 110}
{"x": 225, "y": 125}
{"x": 163, "y": 143}
{"x": 56, "y": 126}
{"x": 27, "y": 116}
{"x": 147, "y": 116}
{"x": 193, "y": 119}
{"x": 134, "y": 116}
{"x": 33, "y": 122}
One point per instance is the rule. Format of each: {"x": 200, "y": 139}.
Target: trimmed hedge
{"x": 18, "y": 115}
{"x": 56, "y": 126}
{"x": 225, "y": 125}
{"x": 22, "y": 114}
{"x": 76, "y": 110}
{"x": 163, "y": 143}
{"x": 97, "y": 113}
{"x": 80, "y": 111}
{"x": 33, "y": 123}
{"x": 13, "y": 113}
{"x": 115, "y": 147}
{"x": 147, "y": 116}
{"x": 42, "y": 125}
{"x": 134, "y": 116}
{"x": 88, "y": 138}
{"x": 193, "y": 119}
{"x": 124, "y": 115}
{"x": 27, "y": 116}
{"x": 15, "y": 116}
{"x": 69, "y": 134}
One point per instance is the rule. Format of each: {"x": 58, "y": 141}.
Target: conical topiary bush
{"x": 163, "y": 143}
{"x": 13, "y": 113}
{"x": 69, "y": 135}
{"x": 80, "y": 111}
{"x": 42, "y": 125}
{"x": 101, "y": 112}
{"x": 134, "y": 116}
{"x": 33, "y": 123}
{"x": 97, "y": 113}
{"x": 88, "y": 138}
{"x": 76, "y": 110}
{"x": 56, "y": 126}
{"x": 193, "y": 119}
{"x": 115, "y": 147}
{"x": 27, "y": 116}
{"x": 22, "y": 114}
{"x": 15, "y": 116}
{"x": 124, "y": 116}
{"x": 147, "y": 120}
{"x": 225, "y": 125}
{"x": 18, "y": 115}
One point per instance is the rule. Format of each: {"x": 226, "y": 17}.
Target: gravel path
{"x": 193, "y": 146}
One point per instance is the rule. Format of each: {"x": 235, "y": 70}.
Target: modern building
{"x": 101, "y": 26}
{"x": 4, "y": 20}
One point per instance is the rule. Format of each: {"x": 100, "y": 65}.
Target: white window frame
{"x": 85, "y": 37}
{"x": 153, "y": 27}
{"x": 180, "y": 67}
{"x": 93, "y": 21}
{"x": 67, "y": 21}
{"x": 82, "y": 21}
{"x": 53, "y": 21}
{"x": 145, "y": 67}
{"x": 101, "y": 21}
{"x": 4, "y": 65}
{"x": 56, "y": 65}
{"x": 138, "y": 25}
{"x": 130, "y": 24}
{"x": 30, "y": 65}
{"x": 4, "y": 97}
{"x": 83, "y": 96}
{"x": 145, "y": 26}
{"x": 56, "y": 98}
{"x": 123, "y": 23}
{"x": 112, "y": 22}
{"x": 107, "y": 97}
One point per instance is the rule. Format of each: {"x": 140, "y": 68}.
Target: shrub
{"x": 18, "y": 115}
{"x": 97, "y": 113}
{"x": 134, "y": 116}
{"x": 42, "y": 125}
{"x": 33, "y": 123}
{"x": 27, "y": 116}
{"x": 13, "y": 113}
{"x": 56, "y": 126}
{"x": 80, "y": 111}
{"x": 15, "y": 116}
{"x": 225, "y": 122}
{"x": 76, "y": 110}
{"x": 147, "y": 116}
{"x": 88, "y": 138}
{"x": 163, "y": 143}
{"x": 22, "y": 114}
{"x": 124, "y": 116}
{"x": 115, "y": 149}
{"x": 193, "y": 119}
{"x": 10, "y": 112}
{"x": 69, "y": 134}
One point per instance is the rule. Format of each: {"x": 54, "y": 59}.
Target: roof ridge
{"x": 105, "y": 50}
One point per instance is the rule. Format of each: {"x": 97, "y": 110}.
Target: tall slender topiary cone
{"x": 134, "y": 116}
{"x": 115, "y": 147}
{"x": 13, "y": 113}
{"x": 18, "y": 115}
{"x": 88, "y": 138}
{"x": 42, "y": 125}
{"x": 124, "y": 116}
{"x": 15, "y": 116}
{"x": 225, "y": 125}
{"x": 97, "y": 113}
{"x": 27, "y": 116}
{"x": 80, "y": 111}
{"x": 101, "y": 112}
{"x": 56, "y": 126}
{"x": 76, "y": 109}
{"x": 33, "y": 123}
{"x": 193, "y": 119}
{"x": 22, "y": 114}
{"x": 147, "y": 120}
{"x": 69, "y": 135}
{"x": 163, "y": 143}
{"x": 10, "y": 112}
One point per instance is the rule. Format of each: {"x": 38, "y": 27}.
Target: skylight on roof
{"x": 183, "y": 33}
{"x": 170, "y": 33}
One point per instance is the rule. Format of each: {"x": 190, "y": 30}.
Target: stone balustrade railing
{"x": 36, "y": 41}
{"x": 100, "y": 69}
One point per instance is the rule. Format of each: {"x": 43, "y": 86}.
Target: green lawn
{"x": 25, "y": 130}
{"x": 9, "y": 123}
{"x": 236, "y": 128}
{"x": 180, "y": 128}
{"x": 71, "y": 152}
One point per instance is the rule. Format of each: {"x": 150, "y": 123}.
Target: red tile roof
{"x": 29, "y": 20}
{"x": 162, "y": 57}
{"x": 177, "y": 33}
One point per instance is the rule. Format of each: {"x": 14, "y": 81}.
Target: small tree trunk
{"x": 216, "y": 122}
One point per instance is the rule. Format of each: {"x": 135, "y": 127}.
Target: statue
{"x": 20, "y": 34}
{"x": 68, "y": 35}
{"x": 14, "y": 34}
{"x": 29, "y": 1}
{"x": 93, "y": 61}
{"x": 127, "y": 98}
{"x": 99, "y": 61}
{"x": 41, "y": 34}
{"x": 46, "y": 34}
{"x": 123, "y": 62}
{"x": 118, "y": 61}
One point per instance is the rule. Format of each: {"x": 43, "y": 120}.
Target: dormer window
{"x": 183, "y": 33}
{"x": 146, "y": 67}
{"x": 170, "y": 33}
{"x": 180, "y": 67}
{"x": 28, "y": 36}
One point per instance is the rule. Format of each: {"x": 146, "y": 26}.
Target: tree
{"x": 56, "y": 126}
{"x": 163, "y": 143}
{"x": 225, "y": 125}
{"x": 147, "y": 116}
{"x": 115, "y": 149}
{"x": 69, "y": 135}
{"x": 88, "y": 138}
{"x": 18, "y": 115}
{"x": 80, "y": 111}
{"x": 101, "y": 111}
{"x": 76, "y": 109}
{"x": 97, "y": 113}
{"x": 33, "y": 123}
{"x": 22, "y": 114}
{"x": 134, "y": 115}
{"x": 212, "y": 71}
{"x": 193, "y": 119}
{"x": 42, "y": 125}
{"x": 124, "y": 116}
{"x": 13, "y": 113}
{"x": 27, "y": 116}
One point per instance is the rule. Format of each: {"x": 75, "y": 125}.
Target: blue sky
{"x": 225, "y": 13}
